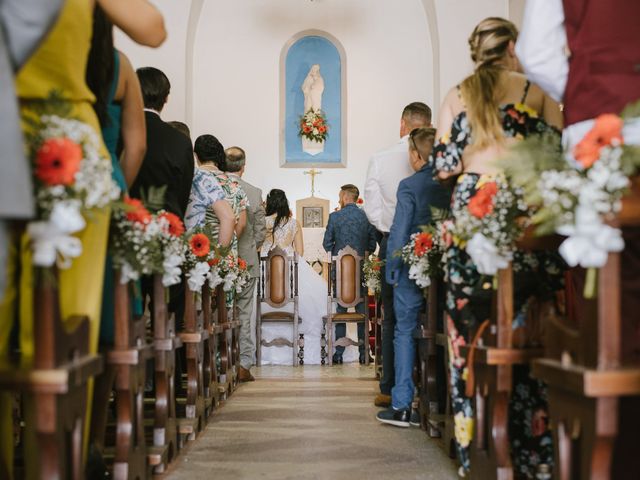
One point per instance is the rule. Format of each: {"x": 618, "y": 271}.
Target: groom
{"x": 349, "y": 227}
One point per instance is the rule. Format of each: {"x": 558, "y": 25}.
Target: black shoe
{"x": 414, "y": 420}
{"x": 362, "y": 362}
{"x": 337, "y": 359}
{"x": 397, "y": 418}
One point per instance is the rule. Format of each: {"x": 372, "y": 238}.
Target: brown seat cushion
{"x": 280, "y": 317}
{"x": 346, "y": 317}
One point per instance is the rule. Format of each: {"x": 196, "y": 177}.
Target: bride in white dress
{"x": 286, "y": 232}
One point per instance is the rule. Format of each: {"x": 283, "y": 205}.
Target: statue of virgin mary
{"x": 313, "y": 87}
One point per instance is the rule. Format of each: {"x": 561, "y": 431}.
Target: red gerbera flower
{"x": 136, "y": 212}
{"x": 606, "y": 130}
{"x": 424, "y": 243}
{"x": 200, "y": 245}
{"x": 481, "y": 204}
{"x": 242, "y": 264}
{"x": 214, "y": 261}
{"x": 58, "y": 161}
{"x": 176, "y": 227}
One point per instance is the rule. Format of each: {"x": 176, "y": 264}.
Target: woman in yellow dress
{"x": 58, "y": 66}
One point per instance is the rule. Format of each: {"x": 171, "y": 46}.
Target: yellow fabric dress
{"x": 59, "y": 65}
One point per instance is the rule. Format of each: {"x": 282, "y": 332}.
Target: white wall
{"x": 234, "y": 82}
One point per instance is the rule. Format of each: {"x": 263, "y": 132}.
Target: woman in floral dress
{"x": 479, "y": 120}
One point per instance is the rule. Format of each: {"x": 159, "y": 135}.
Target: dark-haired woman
{"x": 285, "y": 232}
{"x": 480, "y": 118}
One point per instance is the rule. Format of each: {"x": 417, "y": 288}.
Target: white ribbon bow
{"x": 485, "y": 256}
{"x": 197, "y": 276}
{"x": 52, "y": 240}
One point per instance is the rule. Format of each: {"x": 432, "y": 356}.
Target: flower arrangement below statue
{"x": 314, "y": 131}
{"x": 71, "y": 178}
{"x": 372, "y": 273}
{"x": 488, "y": 225}
{"x": 144, "y": 244}
{"x": 576, "y": 192}
{"x": 423, "y": 254}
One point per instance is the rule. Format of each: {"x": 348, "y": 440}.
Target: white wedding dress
{"x": 312, "y": 293}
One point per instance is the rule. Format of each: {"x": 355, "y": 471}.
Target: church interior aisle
{"x": 310, "y": 422}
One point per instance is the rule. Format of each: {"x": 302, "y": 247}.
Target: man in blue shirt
{"x": 417, "y": 195}
{"x": 349, "y": 227}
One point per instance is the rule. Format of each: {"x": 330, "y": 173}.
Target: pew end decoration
{"x": 229, "y": 271}
{"x": 578, "y": 192}
{"x": 423, "y": 254}
{"x": 372, "y": 274}
{"x": 143, "y": 243}
{"x": 490, "y": 224}
{"x": 200, "y": 251}
{"x": 71, "y": 178}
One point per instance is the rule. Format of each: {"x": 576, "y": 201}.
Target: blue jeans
{"x": 387, "y": 380}
{"x": 408, "y": 301}
{"x": 341, "y": 328}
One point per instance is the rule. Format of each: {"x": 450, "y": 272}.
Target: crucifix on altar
{"x": 313, "y": 212}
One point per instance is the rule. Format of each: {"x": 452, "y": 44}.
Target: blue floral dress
{"x": 468, "y": 302}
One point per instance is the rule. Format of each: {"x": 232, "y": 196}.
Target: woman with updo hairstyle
{"x": 480, "y": 118}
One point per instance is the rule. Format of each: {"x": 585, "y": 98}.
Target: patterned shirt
{"x": 205, "y": 191}
{"x": 236, "y": 197}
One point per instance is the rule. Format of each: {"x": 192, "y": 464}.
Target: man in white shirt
{"x": 387, "y": 169}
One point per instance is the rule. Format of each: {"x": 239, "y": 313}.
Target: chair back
{"x": 278, "y": 284}
{"x": 347, "y": 288}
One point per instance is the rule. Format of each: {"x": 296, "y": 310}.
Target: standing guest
{"x": 169, "y": 158}
{"x": 182, "y": 128}
{"x": 59, "y": 65}
{"x": 249, "y": 242}
{"x": 417, "y": 195}
{"x": 386, "y": 169}
{"x": 587, "y": 55}
{"x": 23, "y": 24}
{"x": 349, "y": 227}
{"x": 489, "y": 110}
{"x": 211, "y": 158}
{"x": 168, "y": 164}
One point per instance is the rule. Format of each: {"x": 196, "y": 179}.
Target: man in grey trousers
{"x": 248, "y": 245}
{"x": 23, "y": 24}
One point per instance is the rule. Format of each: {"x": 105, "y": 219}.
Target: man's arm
{"x": 329, "y": 239}
{"x": 373, "y": 196}
{"x": 25, "y": 23}
{"x": 400, "y": 233}
{"x": 542, "y": 46}
{"x": 259, "y": 222}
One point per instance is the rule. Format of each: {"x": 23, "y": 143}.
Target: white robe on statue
{"x": 312, "y": 293}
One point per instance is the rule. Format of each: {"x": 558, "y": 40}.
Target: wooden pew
{"x": 166, "y": 343}
{"x": 54, "y": 383}
{"x": 128, "y": 357}
{"x": 223, "y": 336}
{"x": 491, "y": 363}
{"x": 429, "y": 404}
{"x": 209, "y": 370}
{"x": 586, "y": 376}
{"x": 194, "y": 337}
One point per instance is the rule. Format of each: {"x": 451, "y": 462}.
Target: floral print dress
{"x": 468, "y": 303}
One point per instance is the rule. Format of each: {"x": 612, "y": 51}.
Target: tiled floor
{"x": 309, "y": 423}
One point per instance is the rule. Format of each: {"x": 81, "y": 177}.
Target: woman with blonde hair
{"x": 480, "y": 118}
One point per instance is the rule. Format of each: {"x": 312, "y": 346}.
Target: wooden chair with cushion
{"x": 54, "y": 383}
{"x": 588, "y": 377}
{"x": 345, "y": 290}
{"x": 278, "y": 288}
